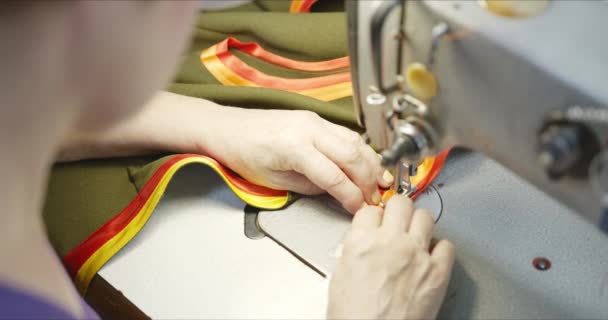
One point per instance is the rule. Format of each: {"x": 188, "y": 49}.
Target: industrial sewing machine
{"x": 524, "y": 82}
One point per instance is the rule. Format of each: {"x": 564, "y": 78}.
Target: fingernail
{"x": 376, "y": 197}
{"x": 388, "y": 177}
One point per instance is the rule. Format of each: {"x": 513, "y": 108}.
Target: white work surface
{"x": 192, "y": 260}
{"x": 499, "y": 224}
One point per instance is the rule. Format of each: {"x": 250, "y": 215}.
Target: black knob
{"x": 566, "y": 149}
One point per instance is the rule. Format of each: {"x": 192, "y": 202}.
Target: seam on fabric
{"x": 132, "y": 179}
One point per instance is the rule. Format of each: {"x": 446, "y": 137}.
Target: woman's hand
{"x": 300, "y": 151}
{"x": 387, "y": 270}
{"x": 289, "y": 150}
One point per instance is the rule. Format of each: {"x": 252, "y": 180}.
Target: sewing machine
{"x": 521, "y": 81}
{"x": 524, "y": 86}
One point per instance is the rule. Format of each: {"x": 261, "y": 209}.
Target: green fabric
{"x": 84, "y": 195}
{"x": 320, "y": 36}
{"x": 284, "y": 5}
{"x": 316, "y": 36}
{"x": 340, "y": 113}
{"x": 328, "y": 6}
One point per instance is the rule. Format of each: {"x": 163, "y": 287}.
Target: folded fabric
{"x": 291, "y": 6}
{"x": 108, "y": 218}
{"x": 230, "y": 70}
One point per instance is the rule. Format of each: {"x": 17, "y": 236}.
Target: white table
{"x": 192, "y": 260}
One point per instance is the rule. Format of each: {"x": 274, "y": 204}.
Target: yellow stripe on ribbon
{"x": 301, "y": 6}
{"x": 102, "y": 255}
{"x": 225, "y": 76}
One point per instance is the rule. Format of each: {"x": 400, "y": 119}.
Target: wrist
{"x": 192, "y": 125}
{"x": 169, "y": 122}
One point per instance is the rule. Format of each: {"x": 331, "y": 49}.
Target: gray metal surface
{"x": 322, "y": 216}
{"x": 500, "y": 79}
{"x": 431, "y": 200}
{"x": 499, "y": 224}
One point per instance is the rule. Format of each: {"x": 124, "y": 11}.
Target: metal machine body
{"x": 529, "y": 92}
{"x": 500, "y": 225}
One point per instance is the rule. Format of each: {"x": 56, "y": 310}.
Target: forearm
{"x": 169, "y": 122}
{"x": 279, "y": 149}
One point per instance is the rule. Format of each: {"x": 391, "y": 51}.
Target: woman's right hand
{"x": 387, "y": 269}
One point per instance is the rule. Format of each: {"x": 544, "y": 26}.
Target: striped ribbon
{"x": 229, "y": 70}
{"x": 88, "y": 257}
{"x": 301, "y": 6}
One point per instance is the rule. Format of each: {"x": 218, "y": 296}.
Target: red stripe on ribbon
{"x": 264, "y": 80}
{"x": 438, "y": 163}
{"x": 307, "y": 5}
{"x": 254, "y": 49}
{"x": 79, "y": 255}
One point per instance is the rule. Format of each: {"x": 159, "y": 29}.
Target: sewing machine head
{"x": 522, "y": 83}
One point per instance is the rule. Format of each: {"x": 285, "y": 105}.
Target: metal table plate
{"x": 499, "y": 224}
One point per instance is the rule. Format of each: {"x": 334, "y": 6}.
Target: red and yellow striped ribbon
{"x": 84, "y": 261}
{"x": 229, "y": 70}
{"x": 88, "y": 257}
{"x": 301, "y": 6}
{"x": 427, "y": 171}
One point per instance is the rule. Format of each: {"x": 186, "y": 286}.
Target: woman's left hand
{"x": 281, "y": 149}
{"x": 301, "y": 152}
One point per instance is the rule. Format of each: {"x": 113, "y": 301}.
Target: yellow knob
{"x": 515, "y": 8}
{"x": 420, "y": 81}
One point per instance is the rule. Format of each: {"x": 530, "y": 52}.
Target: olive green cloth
{"x": 284, "y": 5}
{"x": 306, "y": 37}
{"x": 83, "y": 196}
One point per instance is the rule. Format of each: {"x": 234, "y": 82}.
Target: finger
{"x": 387, "y": 179}
{"x": 421, "y": 227}
{"x": 397, "y": 214}
{"x": 443, "y": 256}
{"x": 328, "y": 176}
{"x": 383, "y": 177}
{"x": 296, "y": 182}
{"x": 368, "y": 217}
{"x": 351, "y": 157}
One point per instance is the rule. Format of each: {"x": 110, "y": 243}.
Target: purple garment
{"x": 17, "y": 304}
